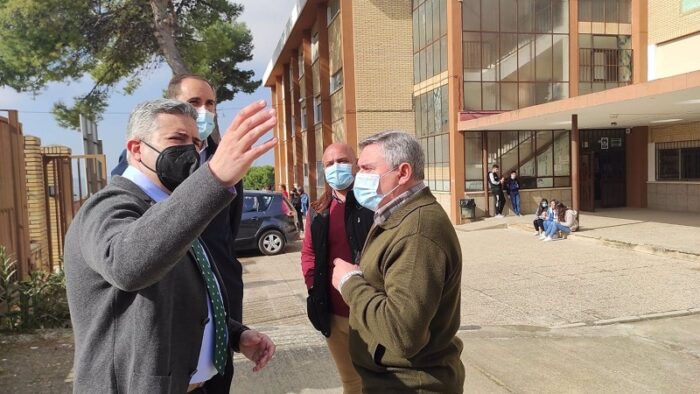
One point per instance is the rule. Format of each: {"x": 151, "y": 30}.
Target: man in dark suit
{"x": 221, "y": 233}
{"x": 149, "y": 310}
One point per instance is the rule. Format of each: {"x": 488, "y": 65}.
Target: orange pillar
{"x": 454, "y": 71}
{"x": 575, "y": 163}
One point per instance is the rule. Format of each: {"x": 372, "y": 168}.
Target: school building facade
{"x": 593, "y": 102}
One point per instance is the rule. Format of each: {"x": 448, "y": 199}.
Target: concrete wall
{"x": 676, "y": 57}
{"x": 673, "y": 196}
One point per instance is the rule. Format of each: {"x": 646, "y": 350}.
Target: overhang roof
{"x": 660, "y": 102}
{"x": 300, "y": 19}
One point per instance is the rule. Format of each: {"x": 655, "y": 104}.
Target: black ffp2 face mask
{"x": 174, "y": 164}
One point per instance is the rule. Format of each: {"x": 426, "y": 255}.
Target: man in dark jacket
{"x": 336, "y": 227}
{"x": 496, "y": 186}
{"x": 220, "y": 234}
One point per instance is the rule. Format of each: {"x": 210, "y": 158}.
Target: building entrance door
{"x": 603, "y": 166}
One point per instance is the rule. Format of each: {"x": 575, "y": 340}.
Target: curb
{"x": 632, "y": 319}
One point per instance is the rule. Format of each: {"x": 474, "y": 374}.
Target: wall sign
{"x": 604, "y": 143}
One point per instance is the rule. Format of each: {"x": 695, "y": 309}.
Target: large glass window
{"x": 336, "y": 81}
{"x": 605, "y": 62}
{"x": 332, "y": 10}
{"x": 429, "y": 39}
{"x": 606, "y": 11}
{"x": 541, "y": 158}
{"x": 317, "y": 109}
{"x": 473, "y": 167}
{"x": 432, "y": 131}
{"x": 314, "y": 47}
{"x": 516, "y": 53}
{"x": 300, "y": 59}
{"x": 678, "y": 161}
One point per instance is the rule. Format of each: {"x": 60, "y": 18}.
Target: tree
{"x": 115, "y": 41}
{"x": 259, "y": 178}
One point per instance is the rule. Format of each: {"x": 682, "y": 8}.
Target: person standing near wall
{"x": 496, "y": 186}
{"x": 513, "y": 189}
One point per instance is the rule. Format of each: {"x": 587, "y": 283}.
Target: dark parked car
{"x": 268, "y": 222}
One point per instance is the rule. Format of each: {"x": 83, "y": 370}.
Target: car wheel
{"x": 271, "y": 242}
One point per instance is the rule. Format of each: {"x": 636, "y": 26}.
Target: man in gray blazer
{"x": 149, "y": 311}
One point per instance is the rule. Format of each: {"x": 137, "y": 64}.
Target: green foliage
{"x": 259, "y": 178}
{"x": 114, "y": 41}
{"x": 38, "y": 302}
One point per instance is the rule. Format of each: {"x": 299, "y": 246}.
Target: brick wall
{"x": 382, "y": 32}
{"x": 675, "y": 133}
{"x": 36, "y": 202}
{"x": 667, "y": 22}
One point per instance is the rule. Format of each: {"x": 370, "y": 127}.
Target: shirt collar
{"x": 382, "y": 214}
{"x": 336, "y": 198}
{"x": 144, "y": 183}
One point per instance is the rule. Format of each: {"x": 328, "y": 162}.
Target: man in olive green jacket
{"x": 404, "y": 297}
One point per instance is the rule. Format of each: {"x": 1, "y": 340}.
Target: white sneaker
{"x": 547, "y": 239}
{"x": 536, "y": 234}
{"x": 499, "y": 216}
{"x": 542, "y": 237}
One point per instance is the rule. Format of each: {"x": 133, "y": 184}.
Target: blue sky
{"x": 265, "y": 22}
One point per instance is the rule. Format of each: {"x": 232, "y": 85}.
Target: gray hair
{"x": 142, "y": 121}
{"x": 399, "y": 147}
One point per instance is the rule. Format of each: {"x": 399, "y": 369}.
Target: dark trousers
{"x": 499, "y": 200}
{"x": 300, "y": 220}
{"x": 539, "y": 224}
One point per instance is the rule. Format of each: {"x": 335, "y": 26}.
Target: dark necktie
{"x": 217, "y": 306}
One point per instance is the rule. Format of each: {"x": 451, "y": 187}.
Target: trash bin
{"x": 468, "y": 208}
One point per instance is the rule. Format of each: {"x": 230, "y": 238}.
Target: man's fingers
{"x": 253, "y": 134}
{"x": 257, "y": 151}
{"x": 245, "y": 113}
{"x": 250, "y": 123}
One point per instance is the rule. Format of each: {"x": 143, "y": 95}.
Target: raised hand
{"x": 236, "y": 153}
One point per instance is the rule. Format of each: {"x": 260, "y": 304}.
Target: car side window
{"x": 250, "y": 204}
{"x": 265, "y": 202}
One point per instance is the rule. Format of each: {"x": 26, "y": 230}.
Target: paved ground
{"x": 566, "y": 316}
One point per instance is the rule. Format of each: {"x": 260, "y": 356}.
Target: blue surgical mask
{"x": 366, "y": 190}
{"x": 339, "y": 176}
{"x": 205, "y": 124}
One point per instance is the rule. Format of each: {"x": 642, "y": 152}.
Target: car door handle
{"x": 255, "y": 218}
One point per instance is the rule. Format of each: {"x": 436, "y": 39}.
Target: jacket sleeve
{"x": 236, "y": 211}
{"x": 308, "y": 256}
{"x": 235, "y": 329}
{"x": 492, "y": 179}
{"x": 399, "y": 318}
{"x": 132, "y": 249}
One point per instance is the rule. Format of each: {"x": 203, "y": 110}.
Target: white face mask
{"x": 366, "y": 188}
{"x": 205, "y": 124}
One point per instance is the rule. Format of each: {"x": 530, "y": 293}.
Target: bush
{"x": 37, "y": 302}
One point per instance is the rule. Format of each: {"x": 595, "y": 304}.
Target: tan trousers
{"x": 340, "y": 350}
